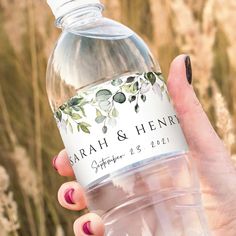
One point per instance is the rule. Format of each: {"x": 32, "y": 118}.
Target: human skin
{"x": 214, "y": 166}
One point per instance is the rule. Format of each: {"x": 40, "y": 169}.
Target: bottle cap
{"x": 61, "y": 7}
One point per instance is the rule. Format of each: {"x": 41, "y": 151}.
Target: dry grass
{"x": 8, "y": 208}
{"x": 224, "y": 122}
{"x": 205, "y": 29}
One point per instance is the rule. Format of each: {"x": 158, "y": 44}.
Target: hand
{"x": 215, "y": 169}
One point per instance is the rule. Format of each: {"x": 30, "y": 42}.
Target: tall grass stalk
{"x": 205, "y": 29}
{"x": 8, "y": 207}
{"x": 23, "y": 167}
{"x": 37, "y": 115}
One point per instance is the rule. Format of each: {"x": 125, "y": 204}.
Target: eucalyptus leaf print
{"x": 105, "y": 105}
{"x": 136, "y": 108}
{"x": 84, "y": 127}
{"x": 103, "y": 95}
{"x": 117, "y": 82}
{"x": 144, "y": 97}
{"x": 151, "y": 77}
{"x": 115, "y": 112}
{"x": 100, "y": 119}
{"x": 104, "y": 129}
{"x": 132, "y": 98}
{"x": 106, "y": 100}
{"x": 58, "y": 115}
{"x": 119, "y": 97}
{"x": 130, "y": 79}
{"x": 73, "y": 112}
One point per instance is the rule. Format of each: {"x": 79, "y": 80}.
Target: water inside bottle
{"x": 157, "y": 196}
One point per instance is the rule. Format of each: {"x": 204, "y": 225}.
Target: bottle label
{"x": 119, "y": 124}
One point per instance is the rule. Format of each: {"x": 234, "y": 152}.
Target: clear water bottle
{"x": 119, "y": 128}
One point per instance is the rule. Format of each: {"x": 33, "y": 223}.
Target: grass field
{"x": 204, "y": 29}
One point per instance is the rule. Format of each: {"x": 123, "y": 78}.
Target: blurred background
{"x": 205, "y": 29}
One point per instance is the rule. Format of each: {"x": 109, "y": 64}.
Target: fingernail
{"x": 87, "y": 228}
{"x": 188, "y": 69}
{"x": 69, "y": 196}
{"x": 54, "y": 163}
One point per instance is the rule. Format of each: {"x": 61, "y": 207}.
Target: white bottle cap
{"x": 61, "y": 7}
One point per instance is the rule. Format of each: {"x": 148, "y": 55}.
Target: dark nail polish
{"x": 87, "y": 228}
{"x": 54, "y": 163}
{"x": 188, "y": 69}
{"x": 69, "y": 196}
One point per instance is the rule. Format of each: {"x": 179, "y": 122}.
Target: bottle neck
{"x": 80, "y": 16}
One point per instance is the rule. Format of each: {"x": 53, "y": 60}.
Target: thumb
{"x": 201, "y": 137}
{"x": 214, "y": 166}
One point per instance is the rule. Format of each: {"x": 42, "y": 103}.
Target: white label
{"x": 117, "y": 124}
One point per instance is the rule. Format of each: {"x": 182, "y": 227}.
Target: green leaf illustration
{"x": 134, "y": 87}
{"x": 68, "y": 111}
{"x": 74, "y": 101}
{"x": 85, "y": 124}
{"x": 127, "y": 88}
{"x": 82, "y": 103}
{"x": 160, "y": 76}
{"x": 132, "y": 98}
{"x": 98, "y": 113}
{"x": 150, "y": 76}
{"x": 105, "y": 105}
{"x": 130, "y": 79}
{"x": 58, "y": 115}
{"x": 76, "y": 108}
{"x": 84, "y": 128}
{"x": 62, "y": 107}
{"x": 104, "y": 129}
{"x": 116, "y": 82}
{"x": 136, "y": 108}
{"x": 158, "y": 73}
{"x": 119, "y": 97}
{"x": 83, "y": 111}
{"x": 100, "y": 119}
{"x": 144, "y": 98}
{"x": 76, "y": 116}
{"x": 115, "y": 113}
{"x": 104, "y": 101}
{"x": 112, "y": 122}
{"x": 103, "y": 95}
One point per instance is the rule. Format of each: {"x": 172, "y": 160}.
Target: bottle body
{"x": 102, "y": 84}
{"x": 161, "y": 199}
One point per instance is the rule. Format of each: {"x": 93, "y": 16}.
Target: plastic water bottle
{"x": 119, "y": 127}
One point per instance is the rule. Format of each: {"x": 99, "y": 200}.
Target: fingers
{"x": 72, "y": 196}
{"x": 201, "y": 137}
{"x": 89, "y": 224}
{"x": 62, "y": 164}
{"x": 212, "y": 160}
